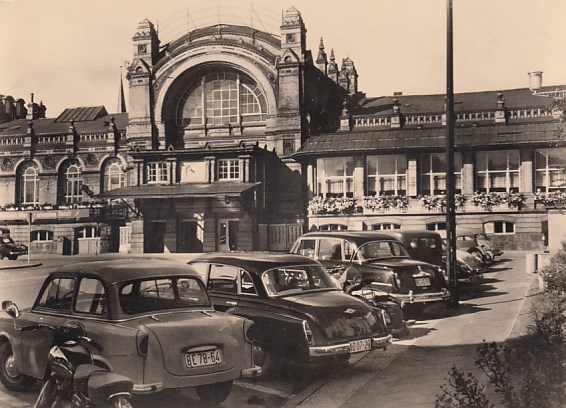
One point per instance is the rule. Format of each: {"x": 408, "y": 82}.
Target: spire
{"x": 122, "y": 97}
{"x": 321, "y": 61}
{"x": 333, "y": 67}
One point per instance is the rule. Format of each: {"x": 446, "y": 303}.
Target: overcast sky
{"x": 69, "y": 52}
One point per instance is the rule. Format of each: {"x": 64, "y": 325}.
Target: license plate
{"x": 360, "y": 345}
{"x": 422, "y": 281}
{"x": 203, "y": 358}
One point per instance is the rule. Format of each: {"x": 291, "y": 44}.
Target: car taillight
{"x": 142, "y": 340}
{"x": 308, "y": 333}
{"x": 386, "y": 318}
{"x": 247, "y": 327}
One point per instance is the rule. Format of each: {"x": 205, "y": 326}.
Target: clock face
{"x": 141, "y": 48}
{"x": 290, "y": 38}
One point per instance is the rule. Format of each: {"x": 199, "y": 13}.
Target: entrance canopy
{"x": 194, "y": 190}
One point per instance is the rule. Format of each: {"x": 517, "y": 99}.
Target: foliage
{"x": 386, "y": 201}
{"x": 461, "y": 390}
{"x": 438, "y": 202}
{"x": 330, "y": 205}
{"x": 552, "y": 198}
{"x": 489, "y": 200}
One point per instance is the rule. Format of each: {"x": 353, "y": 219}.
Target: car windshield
{"x": 7, "y": 240}
{"x": 381, "y": 249}
{"x": 161, "y": 294}
{"x": 293, "y": 279}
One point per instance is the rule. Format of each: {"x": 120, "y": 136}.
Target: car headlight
{"x": 308, "y": 333}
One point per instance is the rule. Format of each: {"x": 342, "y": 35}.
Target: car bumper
{"x": 253, "y": 372}
{"x": 147, "y": 388}
{"x": 344, "y": 348}
{"x": 423, "y": 297}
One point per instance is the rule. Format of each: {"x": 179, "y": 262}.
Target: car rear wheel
{"x": 10, "y": 376}
{"x": 214, "y": 394}
{"x": 12, "y": 257}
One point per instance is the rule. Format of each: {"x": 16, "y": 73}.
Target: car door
{"x": 222, "y": 285}
{"x": 331, "y": 254}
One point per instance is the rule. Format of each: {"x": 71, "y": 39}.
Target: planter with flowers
{"x": 331, "y": 205}
{"x": 385, "y": 202}
{"x": 551, "y": 199}
{"x": 487, "y": 201}
{"x": 438, "y": 202}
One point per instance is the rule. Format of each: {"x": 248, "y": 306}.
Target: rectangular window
{"x": 157, "y": 172}
{"x": 228, "y": 169}
{"x": 91, "y": 297}
{"x": 433, "y": 173}
{"x": 223, "y": 278}
{"x": 41, "y": 235}
{"x": 387, "y": 174}
{"x": 335, "y": 176}
{"x": 498, "y": 171}
{"x": 550, "y": 167}
{"x": 58, "y": 295}
{"x": 499, "y": 227}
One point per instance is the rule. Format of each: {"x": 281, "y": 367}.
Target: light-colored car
{"x": 153, "y": 317}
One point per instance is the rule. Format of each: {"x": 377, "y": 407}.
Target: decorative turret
{"x": 72, "y": 141}
{"x": 348, "y": 64}
{"x": 343, "y": 77}
{"x": 321, "y": 60}
{"x": 500, "y": 113}
{"x": 293, "y": 32}
{"x": 333, "y": 67}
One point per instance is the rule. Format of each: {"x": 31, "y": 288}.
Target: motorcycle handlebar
{"x": 37, "y": 327}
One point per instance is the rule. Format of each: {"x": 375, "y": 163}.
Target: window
{"x": 433, "y": 173}
{"x": 222, "y": 98}
{"x": 58, "y": 295}
{"x": 333, "y": 227}
{"x": 113, "y": 176}
{"x": 295, "y": 279}
{"x": 223, "y": 278}
{"x": 436, "y": 226}
{"x": 228, "y": 169}
{"x": 29, "y": 184}
{"x": 550, "y": 167}
{"x": 157, "y": 172}
{"x": 498, "y": 171}
{"x": 41, "y": 235}
{"x": 87, "y": 232}
{"x": 73, "y": 185}
{"x": 306, "y": 247}
{"x": 335, "y": 176}
{"x": 91, "y": 297}
{"x": 330, "y": 250}
{"x": 385, "y": 226}
{"x": 499, "y": 227}
{"x": 247, "y": 284}
{"x": 386, "y": 174}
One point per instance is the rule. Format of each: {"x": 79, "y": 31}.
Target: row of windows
{"x": 159, "y": 172}
{"x": 492, "y": 227}
{"x": 70, "y": 182}
{"x": 496, "y": 171}
{"x": 47, "y": 236}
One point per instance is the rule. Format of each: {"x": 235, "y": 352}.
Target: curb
{"x": 21, "y": 266}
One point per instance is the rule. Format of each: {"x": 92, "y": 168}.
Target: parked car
{"x": 476, "y": 243}
{"x": 300, "y": 313}
{"x": 9, "y": 249}
{"x": 379, "y": 258}
{"x": 428, "y": 246}
{"x": 153, "y": 317}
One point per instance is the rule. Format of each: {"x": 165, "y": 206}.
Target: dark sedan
{"x": 300, "y": 312}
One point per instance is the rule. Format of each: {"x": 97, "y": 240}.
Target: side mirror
{"x": 11, "y": 308}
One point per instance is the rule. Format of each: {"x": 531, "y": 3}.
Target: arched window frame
{"x": 73, "y": 184}
{"x": 29, "y": 184}
{"x": 114, "y": 177}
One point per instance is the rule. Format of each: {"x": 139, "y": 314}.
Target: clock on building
{"x": 290, "y": 38}
{"x": 141, "y": 49}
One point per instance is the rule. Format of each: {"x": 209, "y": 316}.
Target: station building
{"x": 238, "y": 139}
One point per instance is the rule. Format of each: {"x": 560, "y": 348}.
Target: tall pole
{"x": 450, "y": 179}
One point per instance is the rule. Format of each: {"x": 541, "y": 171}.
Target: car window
{"x": 152, "y": 295}
{"x": 247, "y": 284}
{"x": 91, "y": 297}
{"x": 306, "y": 247}
{"x": 381, "y": 249}
{"x": 58, "y": 295}
{"x": 330, "y": 250}
{"x": 295, "y": 279}
{"x": 223, "y": 278}
{"x": 7, "y": 240}
{"x": 464, "y": 238}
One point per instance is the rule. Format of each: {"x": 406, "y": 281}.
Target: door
{"x": 188, "y": 237}
{"x": 154, "y": 236}
{"x": 227, "y": 235}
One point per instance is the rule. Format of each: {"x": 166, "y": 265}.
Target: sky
{"x": 69, "y": 52}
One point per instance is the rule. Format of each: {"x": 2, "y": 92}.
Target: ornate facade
{"x": 237, "y": 139}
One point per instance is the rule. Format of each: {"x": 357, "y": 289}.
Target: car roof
{"x": 126, "y": 269}
{"x": 356, "y": 236}
{"x": 255, "y": 261}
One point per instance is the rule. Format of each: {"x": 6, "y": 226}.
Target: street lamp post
{"x": 450, "y": 178}
{"x": 535, "y": 85}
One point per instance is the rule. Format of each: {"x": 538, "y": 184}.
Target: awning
{"x": 195, "y": 190}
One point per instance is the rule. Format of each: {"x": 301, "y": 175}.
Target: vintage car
{"x": 379, "y": 258}
{"x": 300, "y": 313}
{"x": 10, "y": 249}
{"x": 476, "y": 243}
{"x": 153, "y": 317}
{"x": 429, "y": 246}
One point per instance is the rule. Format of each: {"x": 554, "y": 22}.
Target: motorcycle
{"x": 72, "y": 380}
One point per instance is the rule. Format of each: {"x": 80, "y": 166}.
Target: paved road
{"x": 409, "y": 373}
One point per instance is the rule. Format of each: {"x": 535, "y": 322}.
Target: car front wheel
{"x": 214, "y": 394}
{"x": 264, "y": 359}
{"x": 10, "y": 376}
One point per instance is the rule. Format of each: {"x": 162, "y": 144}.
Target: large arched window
{"x": 113, "y": 176}
{"x": 222, "y": 98}
{"x": 29, "y": 184}
{"x": 70, "y": 184}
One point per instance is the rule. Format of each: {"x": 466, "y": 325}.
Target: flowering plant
{"x": 386, "y": 201}
{"x": 515, "y": 200}
{"x": 551, "y": 198}
{"x": 438, "y": 202}
{"x": 489, "y": 200}
{"x": 330, "y": 205}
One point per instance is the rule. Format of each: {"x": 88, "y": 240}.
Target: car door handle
{"x": 231, "y": 303}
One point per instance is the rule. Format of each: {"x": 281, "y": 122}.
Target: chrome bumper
{"x": 423, "y": 297}
{"x": 147, "y": 388}
{"x": 344, "y": 348}
{"x": 252, "y": 372}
